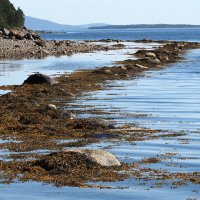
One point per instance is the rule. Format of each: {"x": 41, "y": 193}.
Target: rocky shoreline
{"x": 34, "y": 117}
{"x": 20, "y": 44}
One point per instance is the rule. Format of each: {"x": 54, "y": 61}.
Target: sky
{"x": 76, "y": 12}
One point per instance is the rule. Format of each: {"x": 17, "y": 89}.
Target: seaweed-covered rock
{"x": 69, "y": 160}
{"x": 98, "y": 157}
{"x": 93, "y": 124}
{"x": 40, "y": 79}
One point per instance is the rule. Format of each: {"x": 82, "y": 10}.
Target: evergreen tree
{"x": 9, "y": 16}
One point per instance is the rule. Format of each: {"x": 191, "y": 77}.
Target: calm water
{"x": 130, "y": 34}
{"x": 16, "y": 71}
{"x": 169, "y": 98}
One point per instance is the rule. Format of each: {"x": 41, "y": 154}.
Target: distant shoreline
{"x": 145, "y": 26}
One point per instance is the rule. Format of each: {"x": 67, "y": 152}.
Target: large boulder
{"x": 19, "y": 36}
{"x": 40, "y": 79}
{"x": 98, "y": 157}
{"x": 69, "y": 160}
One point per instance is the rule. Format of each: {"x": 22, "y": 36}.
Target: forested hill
{"x": 9, "y": 16}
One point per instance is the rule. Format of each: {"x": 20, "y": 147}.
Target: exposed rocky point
{"x": 40, "y": 79}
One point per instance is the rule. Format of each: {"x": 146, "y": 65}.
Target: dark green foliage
{"x": 9, "y": 16}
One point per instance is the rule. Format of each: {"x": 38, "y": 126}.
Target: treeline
{"x": 9, "y": 16}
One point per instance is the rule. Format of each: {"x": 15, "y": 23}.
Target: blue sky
{"x": 113, "y": 11}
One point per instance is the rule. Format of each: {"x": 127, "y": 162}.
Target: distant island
{"x": 46, "y": 25}
{"x": 145, "y": 26}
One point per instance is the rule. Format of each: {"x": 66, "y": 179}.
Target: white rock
{"x": 152, "y": 55}
{"x": 51, "y": 107}
{"x": 100, "y": 157}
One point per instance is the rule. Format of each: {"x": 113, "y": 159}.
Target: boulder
{"x": 150, "y": 54}
{"x": 99, "y": 157}
{"x": 51, "y": 107}
{"x": 40, "y": 43}
{"x": 6, "y": 31}
{"x": 16, "y": 34}
{"x": 69, "y": 160}
{"x": 40, "y": 79}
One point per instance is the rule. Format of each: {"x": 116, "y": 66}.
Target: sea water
{"x": 168, "y": 98}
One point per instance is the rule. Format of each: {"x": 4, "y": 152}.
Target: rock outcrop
{"x": 68, "y": 160}
{"x": 40, "y": 79}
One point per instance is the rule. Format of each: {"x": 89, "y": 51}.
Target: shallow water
{"x": 37, "y": 191}
{"x": 166, "y": 99}
{"x": 169, "y": 97}
{"x": 16, "y": 71}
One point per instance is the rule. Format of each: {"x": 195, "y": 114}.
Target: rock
{"x": 100, "y": 157}
{"x": 149, "y": 54}
{"x": 51, "y": 107}
{"x": 180, "y": 46}
{"x": 69, "y": 115}
{"x": 40, "y": 79}
{"x": 163, "y": 58}
{"x": 65, "y": 93}
{"x": 123, "y": 68}
{"x": 101, "y": 123}
{"x": 152, "y": 60}
{"x": 35, "y": 36}
{"x": 16, "y": 34}
{"x": 68, "y": 160}
{"x": 6, "y": 31}
{"x": 45, "y": 51}
{"x": 40, "y": 43}
{"x": 141, "y": 66}
{"x": 28, "y": 36}
{"x": 92, "y": 124}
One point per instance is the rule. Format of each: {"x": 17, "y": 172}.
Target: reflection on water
{"x": 166, "y": 99}
{"x": 170, "y": 97}
{"x": 9, "y": 67}
{"x": 16, "y": 71}
{"x": 37, "y": 191}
